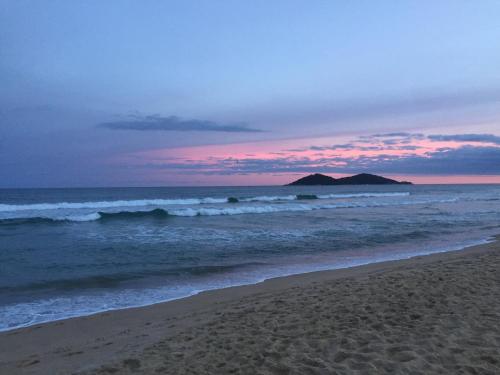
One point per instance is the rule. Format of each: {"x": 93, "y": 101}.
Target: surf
{"x": 186, "y": 201}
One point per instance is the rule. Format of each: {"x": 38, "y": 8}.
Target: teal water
{"x": 71, "y": 252}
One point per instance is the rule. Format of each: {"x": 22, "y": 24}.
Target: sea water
{"x": 73, "y": 252}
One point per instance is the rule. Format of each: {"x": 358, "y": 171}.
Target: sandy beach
{"x": 249, "y": 187}
{"x": 435, "y": 314}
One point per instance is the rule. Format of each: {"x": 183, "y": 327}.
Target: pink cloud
{"x": 254, "y": 163}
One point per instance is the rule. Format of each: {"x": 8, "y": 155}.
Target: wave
{"x": 306, "y": 197}
{"x": 216, "y": 211}
{"x": 266, "y": 198}
{"x": 103, "y": 298}
{"x": 187, "y": 201}
{"x": 364, "y": 195}
{"x": 156, "y": 213}
{"x": 269, "y": 198}
{"x": 112, "y": 280}
{"x": 108, "y": 204}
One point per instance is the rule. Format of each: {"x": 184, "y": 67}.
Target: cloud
{"x": 174, "y": 123}
{"x": 391, "y": 138}
{"x": 480, "y": 138}
{"x": 386, "y": 145}
{"x": 375, "y": 142}
{"x": 420, "y": 157}
{"x": 473, "y": 160}
{"x": 401, "y": 141}
{"x": 398, "y": 135}
{"x": 346, "y": 146}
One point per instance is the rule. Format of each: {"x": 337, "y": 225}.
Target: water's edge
{"x": 400, "y": 257}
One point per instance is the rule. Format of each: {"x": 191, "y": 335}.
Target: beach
{"x": 252, "y": 188}
{"x": 429, "y": 314}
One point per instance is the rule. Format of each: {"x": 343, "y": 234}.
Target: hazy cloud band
{"x": 174, "y": 123}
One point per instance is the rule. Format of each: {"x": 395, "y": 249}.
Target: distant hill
{"x": 315, "y": 179}
{"x": 359, "y": 179}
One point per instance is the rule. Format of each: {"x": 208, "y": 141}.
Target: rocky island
{"x": 359, "y": 179}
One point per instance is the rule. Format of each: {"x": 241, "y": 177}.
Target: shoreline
{"x": 313, "y": 268}
{"x": 94, "y": 340}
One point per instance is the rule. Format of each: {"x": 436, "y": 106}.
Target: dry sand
{"x": 437, "y": 314}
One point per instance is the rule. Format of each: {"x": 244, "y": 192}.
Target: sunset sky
{"x": 152, "y": 93}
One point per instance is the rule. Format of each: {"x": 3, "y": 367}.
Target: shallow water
{"x": 70, "y": 252}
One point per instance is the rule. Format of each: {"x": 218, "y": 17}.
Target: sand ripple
{"x": 438, "y": 318}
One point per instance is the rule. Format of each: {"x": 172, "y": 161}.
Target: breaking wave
{"x": 187, "y": 201}
{"x": 109, "y": 204}
{"x": 160, "y": 213}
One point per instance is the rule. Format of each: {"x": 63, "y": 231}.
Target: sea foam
{"x": 187, "y": 201}
{"x": 223, "y": 210}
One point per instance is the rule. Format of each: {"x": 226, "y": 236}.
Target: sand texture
{"x": 438, "y": 314}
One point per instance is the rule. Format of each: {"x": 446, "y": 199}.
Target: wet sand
{"x": 435, "y": 314}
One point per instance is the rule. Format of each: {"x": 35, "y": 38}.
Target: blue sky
{"x": 88, "y": 86}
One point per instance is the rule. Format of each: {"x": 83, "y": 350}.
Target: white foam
{"x": 62, "y": 307}
{"x": 364, "y": 195}
{"x": 250, "y": 209}
{"x": 216, "y": 211}
{"x": 108, "y": 204}
{"x": 272, "y": 198}
{"x": 173, "y": 202}
{"x": 238, "y": 210}
{"x": 89, "y": 217}
{"x": 213, "y": 211}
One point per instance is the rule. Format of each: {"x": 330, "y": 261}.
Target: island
{"x": 359, "y": 179}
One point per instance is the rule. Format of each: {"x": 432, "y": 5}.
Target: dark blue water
{"x": 69, "y": 252}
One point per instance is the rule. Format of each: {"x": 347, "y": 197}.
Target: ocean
{"x": 73, "y": 252}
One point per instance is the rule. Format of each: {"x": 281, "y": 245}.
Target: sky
{"x": 178, "y": 93}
